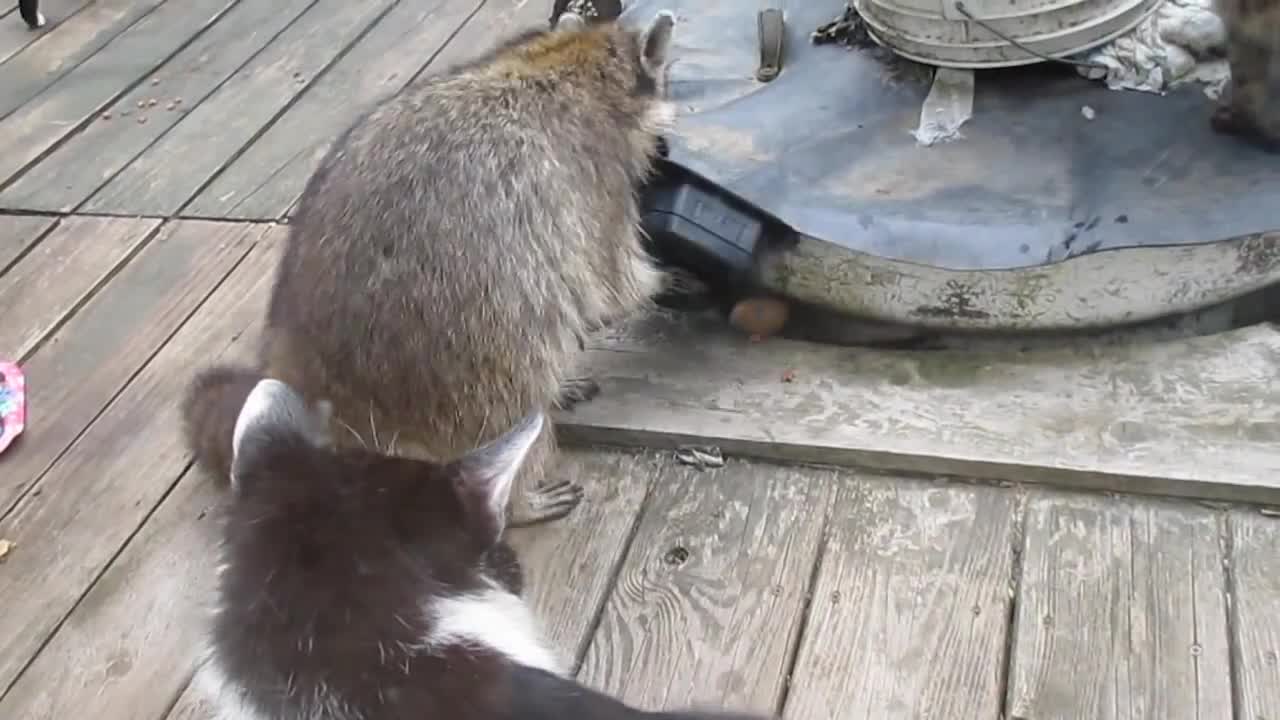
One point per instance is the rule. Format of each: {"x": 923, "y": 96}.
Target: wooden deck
{"x": 149, "y": 150}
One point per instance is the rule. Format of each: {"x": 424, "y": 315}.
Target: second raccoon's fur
{"x": 1251, "y": 105}
{"x": 457, "y": 244}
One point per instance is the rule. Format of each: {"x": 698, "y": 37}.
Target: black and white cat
{"x": 30, "y": 12}
{"x": 358, "y": 586}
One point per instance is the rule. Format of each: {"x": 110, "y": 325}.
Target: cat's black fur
{"x": 30, "y": 12}
{"x": 338, "y": 564}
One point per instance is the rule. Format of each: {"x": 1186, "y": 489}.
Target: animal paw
{"x": 577, "y": 390}
{"x": 547, "y": 503}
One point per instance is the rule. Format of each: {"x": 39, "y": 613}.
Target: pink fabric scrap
{"x": 13, "y": 403}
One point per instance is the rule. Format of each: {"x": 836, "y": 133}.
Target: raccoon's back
{"x": 451, "y": 251}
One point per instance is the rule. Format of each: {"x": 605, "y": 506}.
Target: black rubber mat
{"x": 828, "y": 149}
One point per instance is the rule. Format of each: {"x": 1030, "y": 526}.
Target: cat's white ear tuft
{"x": 484, "y": 477}
{"x": 273, "y": 412}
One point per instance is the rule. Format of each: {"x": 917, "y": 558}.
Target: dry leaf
{"x": 6, "y": 547}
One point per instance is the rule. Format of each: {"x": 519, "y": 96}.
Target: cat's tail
{"x": 209, "y": 411}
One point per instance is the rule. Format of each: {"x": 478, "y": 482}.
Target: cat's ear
{"x": 274, "y": 415}
{"x": 483, "y": 478}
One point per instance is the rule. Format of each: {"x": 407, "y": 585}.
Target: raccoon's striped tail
{"x": 209, "y": 410}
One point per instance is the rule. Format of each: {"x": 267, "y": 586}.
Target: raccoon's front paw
{"x": 577, "y": 390}
{"x": 547, "y": 503}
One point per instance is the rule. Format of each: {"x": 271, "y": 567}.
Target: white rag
{"x": 1182, "y": 40}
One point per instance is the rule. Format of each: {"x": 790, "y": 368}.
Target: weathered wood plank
{"x": 19, "y": 232}
{"x": 910, "y": 607}
{"x": 1197, "y": 417}
{"x": 127, "y": 648}
{"x": 1121, "y": 613}
{"x": 77, "y": 373}
{"x": 210, "y": 135}
{"x": 38, "y": 293}
{"x": 50, "y": 55}
{"x": 569, "y": 566}
{"x": 193, "y": 705}
{"x": 265, "y": 181}
{"x": 76, "y": 169}
{"x": 1255, "y": 590}
{"x": 99, "y": 492}
{"x": 14, "y": 34}
{"x": 89, "y": 88}
{"x": 708, "y": 606}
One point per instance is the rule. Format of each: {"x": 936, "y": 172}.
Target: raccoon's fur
{"x": 458, "y": 243}
{"x": 358, "y": 585}
{"x": 1250, "y": 105}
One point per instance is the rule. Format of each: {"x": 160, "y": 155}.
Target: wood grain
{"x": 77, "y": 168}
{"x": 127, "y": 649}
{"x": 211, "y": 134}
{"x": 50, "y": 55}
{"x": 14, "y": 33}
{"x": 64, "y": 107}
{"x": 38, "y": 293}
{"x": 98, "y": 493}
{"x": 1197, "y": 417}
{"x": 1121, "y": 614}
{"x": 19, "y": 232}
{"x": 90, "y": 358}
{"x": 708, "y": 605}
{"x": 265, "y": 180}
{"x": 910, "y": 608}
{"x": 569, "y": 566}
{"x": 1255, "y": 591}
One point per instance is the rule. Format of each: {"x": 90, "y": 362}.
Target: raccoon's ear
{"x": 571, "y": 21}
{"x": 483, "y": 477}
{"x": 273, "y": 413}
{"x": 655, "y": 41}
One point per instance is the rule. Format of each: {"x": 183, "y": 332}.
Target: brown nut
{"x": 761, "y": 316}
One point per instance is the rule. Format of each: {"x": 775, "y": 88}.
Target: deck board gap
{"x": 84, "y": 201}
{"x": 84, "y": 122}
{"x": 806, "y": 612}
{"x": 55, "y": 77}
{"x": 124, "y": 387}
{"x": 615, "y": 571}
{"x": 53, "y": 631}
{"x": 93, "y": 290}
{"x": 262, "y": 129}
{"x": 448, "y": 41}
{"x": 1016, "y": 554}
{"x": 17, "y": 258}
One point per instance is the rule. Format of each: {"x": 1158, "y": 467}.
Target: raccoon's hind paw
{"x": 577, "y": 390}
{"x": 547, "y": 503}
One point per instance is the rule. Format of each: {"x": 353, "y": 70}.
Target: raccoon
{"x": 1250, "y": 105}
{"x": 357, "y": 584}
{"x": 457, "y": 244}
